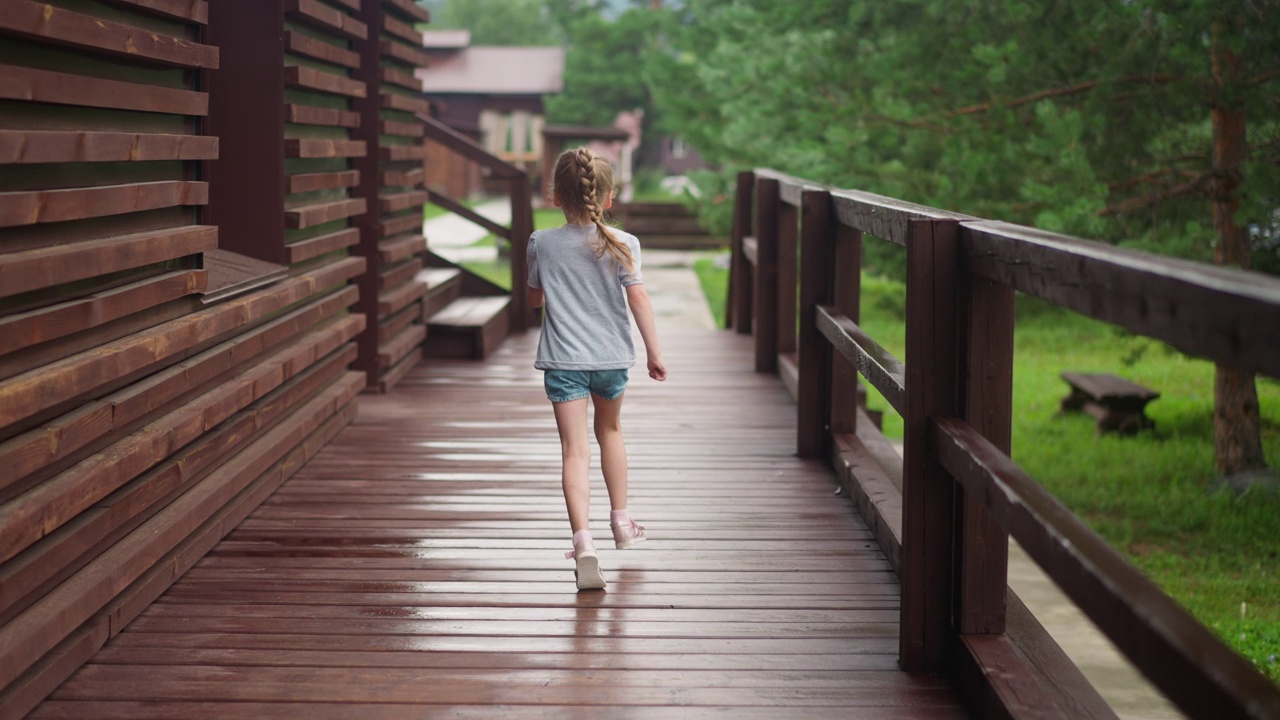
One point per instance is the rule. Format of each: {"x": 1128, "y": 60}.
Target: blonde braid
{"x": 588, "y": 197}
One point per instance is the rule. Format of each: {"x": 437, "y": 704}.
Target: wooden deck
{"x": 415, "y": 569}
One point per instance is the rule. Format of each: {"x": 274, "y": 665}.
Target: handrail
{"x": 521, "y": 194}
{"x": 961, "y": 494}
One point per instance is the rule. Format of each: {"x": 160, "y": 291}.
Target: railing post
{"x": 927, "y": 489}
{"x": 817, "y": 279}
{"x": 738, "y": 312}
{"x": 986, "y": 403}
{"x": 765, "y": 303}
{"x": 847, "y": 298}
{"x": 521, "y": 229}
{"x": 788, "y": 239}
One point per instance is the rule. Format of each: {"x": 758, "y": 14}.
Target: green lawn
{"x": 1150, "y": 495}
{"x": 499, "y": 271}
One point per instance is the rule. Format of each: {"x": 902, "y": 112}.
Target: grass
{"x": 715, "y": 285}
{"x": 1151, "y": 495}
{"x": 498, "y": 271}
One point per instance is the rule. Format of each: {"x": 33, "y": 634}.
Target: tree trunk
{"x": 1237, "y": 441}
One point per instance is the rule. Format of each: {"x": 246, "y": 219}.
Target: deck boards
{"x": 415, "y": 569}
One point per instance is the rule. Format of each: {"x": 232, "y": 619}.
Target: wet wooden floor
{"x": 415, "y": 569}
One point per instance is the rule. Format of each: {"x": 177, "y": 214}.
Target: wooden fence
{"x": 795, "y": 284}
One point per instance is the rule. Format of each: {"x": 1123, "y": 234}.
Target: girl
{"x": 587, "y": 274}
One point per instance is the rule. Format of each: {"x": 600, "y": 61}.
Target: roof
{"x": 584, "y": 132}
{"x": 496, "y": 71}
{"x": 445, "y": 39}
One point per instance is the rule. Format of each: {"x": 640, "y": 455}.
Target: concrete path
{"x": 452, "y": 236}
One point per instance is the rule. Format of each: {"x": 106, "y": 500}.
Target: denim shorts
{"x": 567, "y": 385}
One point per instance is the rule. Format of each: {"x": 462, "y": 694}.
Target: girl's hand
{"x": 657, "y": 370}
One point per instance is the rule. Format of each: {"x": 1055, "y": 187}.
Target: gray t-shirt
{"x": 585, "y": 323}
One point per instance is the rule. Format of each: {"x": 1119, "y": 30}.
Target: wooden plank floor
{"x": 415, "y": 569}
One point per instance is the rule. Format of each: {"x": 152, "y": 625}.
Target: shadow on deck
{"x": 415, "y": 569}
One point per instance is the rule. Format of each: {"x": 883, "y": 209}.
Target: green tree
{"x": 496, "y": 22}
{"x": 604, "y": 68}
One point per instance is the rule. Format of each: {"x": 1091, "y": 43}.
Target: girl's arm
{"x": 642, "y": 309}
{"x": 536, "y": 297}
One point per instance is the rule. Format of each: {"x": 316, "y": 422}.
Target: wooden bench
{"x": 1119, "y": 405}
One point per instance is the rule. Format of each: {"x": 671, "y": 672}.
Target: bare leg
{"x": 575, "y": 453}
{"x": 613, "y": 452}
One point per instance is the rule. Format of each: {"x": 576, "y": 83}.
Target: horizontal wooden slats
{"x": 23, "y": 83}
{"x": 404, "y": 31}
{"x": 324, "y": 17}
{"x": 401, "y": 201}
{"x": 50, "y": 323}
{"x": 393, "y": 250}
{"x": 48, "y": 23}
{"x": 311, "y": 115}
{"x": 407, "y": 9}
{"x": 312, "y": 79}
{"x": 309, "y": 182}
{"x": 311, "y": 215}
{"x": 324, "y": 148}
{"x": 404, "y": 53}
{"x": 397, "y": 348}
{"x": 310, "y": 248}
{"x": 45, "y": 267}
{"x": 397, "y": 275}
{"x": 54, "y": 384}
{"x": 873, "y": 362}
{"x": 403, "y": 178}
{"x": 398, "y": 299}
{"x": 1220, "y": 313}
{"x": 23, "y": 147}
{"x": 391, "y": 326}
{"x": 401, "y": 129}
{"x": 320, "y": 50}
{"x": 397, "y": 153}
{"x": 392, "y": 101}
{"x": 1140, "y": 619}
{"x": 399, "y": 225}
{"x": 196, "y": 11}
{"x": 44, "y": 206}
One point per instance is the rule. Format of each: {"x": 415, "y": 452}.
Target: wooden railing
{"x": 961, "y": 494}
{"x": 521, "y": 194}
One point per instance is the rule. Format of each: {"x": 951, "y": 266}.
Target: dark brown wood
{"x": 765, "y": 309}
{"x": 738, "y": 307}
{"x": 440, "y": 133}
{"x": 395, "y": 202}
{"x": 194, "y": 10}
{"x": 927, "y": 491}
{"x": 788, "y": 275}
{"x": 817, "y": 287}
{"x": 397, "y": 299}
{"x": 311, "y": 215}
{"x": 59, "y": 26}
{"x": 877, "y": 365}
{"x": 45, "y": 267}
{"x": 310, "y": 182}
{"x": 311, "y": 79}
{"x": 22, "y": 147}
{"x": 402, "y": 247}
{"x": 986, "y": 401}
{"x": 24, "y": 83}
{"x": 395, "y": 101}
{"x": 404, "y": 53}
{"x": 310, "y": 115}
{"x": 319, "y": 49}
{"x": 1118, "y": 405}
{"x": 404, "y": 31}
{"x": 884, "y": 217}
{"x": 411, "y": 223}
{"x": 403, "y": 178}
{"x": 42, "y": 206}
{"x": 407, "y": 9}
{"x": 391, "y": 326}
{"x": 1185, "y": 660}
{"x": 327, "y": 18}
{"x": 1220, "y": 313}
{"x": 396, "y": 349}
{"x": 846, "y": 394}
{"x": 401, "y": 78}
{"x": 401, "y": 129}
{"x": 522, "y": 316}
{"x": 325, "y": 148}
{"x": 31, "y": 328}
{"x": 400, "y": 153}
{"x": 397, "y": 275}
{"x": 315, "y": 247}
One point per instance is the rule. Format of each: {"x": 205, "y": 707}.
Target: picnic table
{"x": 1118, "y": 404}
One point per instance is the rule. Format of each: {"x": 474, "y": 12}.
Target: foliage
{"x": 496, "y": 22}
{"x": 604, "y": 68}
{"x": 1090, "y": 117}
{"x": 715, "y": 285}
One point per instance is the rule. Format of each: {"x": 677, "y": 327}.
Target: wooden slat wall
{"x": 139, "y": 372}
{"x": 392, "y": 182}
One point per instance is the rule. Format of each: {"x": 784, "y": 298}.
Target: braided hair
{"x": 583, "y": 181}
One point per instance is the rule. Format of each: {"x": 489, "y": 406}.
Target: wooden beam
{"x": 59, "y": 264}
{"x": 393, "y": 250}
{"x": 30, "y": 147}
{"x": 394, "y": 202}
{"x": 400, "y": 153}
{"x": 884, "y": 371}
{"x": 399, "y": 298}
{"x": 394, "y": 101}
{"x": 326, "y": 82}
{"x": 884, "y": 217}
{"x": 817, "y": 288}
{"x": 392, "y": 275}
{"x": 59, "y": 26}
{"x": 296, "y": 42}
{"x": 403, "y": 178}
{"x": 402, "y": 30}
{"x": 395, "y": 50}
{"x": 24, "y": 83}
{"x": 765, "y": 280}
{"x": 444, "y": 135}
{"x": 311, "y": 115}
{"x": 30, "y": 207}
{"x": 311, "y": 248}
{"x": 401, "y": 78}
{"x": 196, "y": 11}
{"x": 324, "y": 148}
{"x": 407, "y": 9}
{"x": 312, "y": 215}
{"x": 325, "y": 17}
{"x": 399, "y": 225}
{"x": 310, "y": 182}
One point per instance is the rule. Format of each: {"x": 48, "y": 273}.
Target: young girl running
{"x": 587, "y": 274}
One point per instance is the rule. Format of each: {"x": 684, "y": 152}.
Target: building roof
{"x": 445, "y": 39}
{"x": 496, "y": 71}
